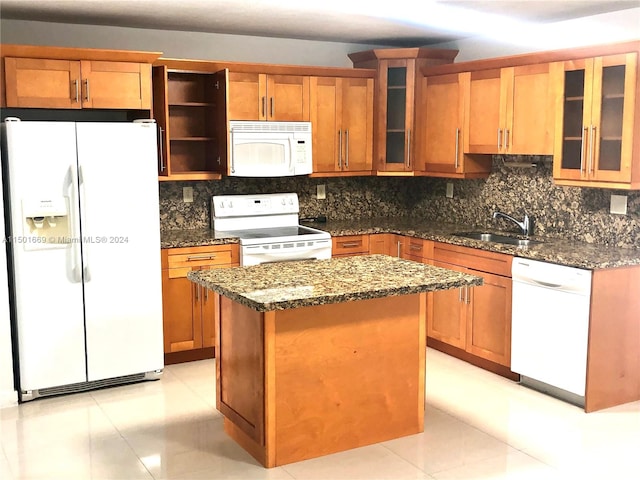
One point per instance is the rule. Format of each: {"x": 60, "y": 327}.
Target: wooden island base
{"x": 305, "y": 382}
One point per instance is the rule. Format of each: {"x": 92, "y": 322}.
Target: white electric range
{"x": 268, "y": 228}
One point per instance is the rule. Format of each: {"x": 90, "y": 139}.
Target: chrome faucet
{"x": 525, "y": 225}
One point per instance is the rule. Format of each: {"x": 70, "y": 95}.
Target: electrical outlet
{"x": 321, "y": 192}
{"x": 449, "y": 193}
{"x": 187, "y": 194}
{"x": 618, "y": 204}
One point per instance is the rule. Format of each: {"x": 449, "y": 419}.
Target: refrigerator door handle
{"x": 76, "y": 256}
{"x": 86, "y": 273}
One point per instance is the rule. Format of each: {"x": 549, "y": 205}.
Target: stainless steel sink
{"x": 494, "y": 237}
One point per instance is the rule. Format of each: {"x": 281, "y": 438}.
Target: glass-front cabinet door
{"x": 394, "y": 152}
{"x": 595, "y": 120}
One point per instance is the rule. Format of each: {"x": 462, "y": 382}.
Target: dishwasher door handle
{"x": 548, "y": 284}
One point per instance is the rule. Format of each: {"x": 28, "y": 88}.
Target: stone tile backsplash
{"x": 560, "y": 212}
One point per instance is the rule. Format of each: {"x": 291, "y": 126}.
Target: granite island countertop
{"x": 286, "y": 285}
{"x": 563, "y": 252}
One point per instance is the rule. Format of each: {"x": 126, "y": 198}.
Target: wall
{"x": 175, "y": 44}
{"x": 560, "y": 212}
{"x": 512, "y": 39}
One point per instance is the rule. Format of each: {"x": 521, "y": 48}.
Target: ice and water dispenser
{"x": 46, "y": 223}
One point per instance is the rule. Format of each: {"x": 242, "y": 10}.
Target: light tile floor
{"x": 477, "y": 426}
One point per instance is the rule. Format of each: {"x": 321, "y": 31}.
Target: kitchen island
{"x": 320, "y": 356}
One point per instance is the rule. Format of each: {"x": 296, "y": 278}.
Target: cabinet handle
{"x": 408, "y": 148}
{"x": 506, "y": 139}
{"x": 206, "y": 294}
{"x": 399, "y": 243}
{"x": 346, "y": 148}
{"x": 592, "y": 147}
{"x": 467, "y": 295}
{"x": 86, "y": 89}
{"x": 197, "y": 287}
{"x": 192, "y": 258}
{"x": 77, "y": 93}
{"x": 264, "y": 106}
{"x": 582, "y": 155}
{"x": 457, "y": 147}
{"x": 499, "y": 138}
{"x": 415, "y": 247}
{"x": 161, "y": 149}
{"x": 340, "y": 149}
{"x": 460, "y": 294}
{"x": 349, "y": 244}
{"x": 272, "y": 104}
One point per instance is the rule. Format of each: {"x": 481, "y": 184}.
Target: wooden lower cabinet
{"x": 189, "y": 310}
{"x": 475, "y": 320}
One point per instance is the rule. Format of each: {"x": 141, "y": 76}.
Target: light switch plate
{"x": 321, "y": 192}
{"x": 187, "y": 194}
{"x": 618, "y": 204}
{"x": 449, "y": 193}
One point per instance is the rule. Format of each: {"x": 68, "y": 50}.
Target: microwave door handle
{"x": 292, "y": 166}
{"x": 233, "y": 153}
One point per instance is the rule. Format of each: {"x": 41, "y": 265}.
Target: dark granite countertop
{"x": 286, "y": 285}
{"x": 564, "y": 252}
{"x": 200, "y": 237}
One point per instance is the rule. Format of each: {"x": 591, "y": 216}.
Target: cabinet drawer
{"x": 417, "y": 247}
{"x": 181, "y": 260}
{"x": 350, "y": 245}
{"x": 476, "y": 259}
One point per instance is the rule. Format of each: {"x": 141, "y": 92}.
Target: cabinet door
{"x": 573, "y": 117}
{"x": 122, "y": 85}
{"x": 395, "y": 115}
{"x": 447, "y": 313}
{"x": 489, "y": 322}
{"x": 247, "y": 96}
{"x": 442, "y": 130}
{"x": 612, "y": 118}
{"x": 288, "y": 98}
{"x": 210, "y": 310}
{"x": 160, "y": 82}
{"x": 182, "y": 325}
{"x": 42, "y": 83}
{"x": 357, "y": 123}
{"x": 530, "y": 110}
{"x": 383, "y": 244}
{"x": 326, "y": 129}
{"x": 482, "y": 132}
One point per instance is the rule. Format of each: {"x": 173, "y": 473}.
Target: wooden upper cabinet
{"x": 37, "y": 82}
{"x": 258, "y": 96}
{"x": 511, "y": 111}
{"x": 440, "y": 128}
{"x": 395, "y": 96}
{"x": 595, "y": 122}
{"x": 190, "y": 108}
{"x": 75, "y": 84}
{"x": 342, "y": 120}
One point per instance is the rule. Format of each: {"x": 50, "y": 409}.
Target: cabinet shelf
{"x": 191, "y": 139}
{"x": 573, "y": 139}
{"x": 191, "y": 104}
{"x": 613, "y": 96}
{"x": 573, "y": 99}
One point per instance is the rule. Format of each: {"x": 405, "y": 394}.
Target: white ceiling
{"x": 389, "y": 22}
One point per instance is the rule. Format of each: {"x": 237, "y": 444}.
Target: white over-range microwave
{"x": 270, "y": 149}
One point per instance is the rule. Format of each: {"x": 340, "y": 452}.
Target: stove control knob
{"x": 221, "y": 204}
{"x": 230, "y": 204}
{"x": 291, "y": 201}
{"x": 284, "y": 201}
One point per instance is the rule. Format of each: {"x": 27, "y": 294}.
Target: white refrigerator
{"x": 85, "y": 253}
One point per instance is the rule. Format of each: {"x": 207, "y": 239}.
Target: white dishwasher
{"x": 550, "y": 327}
